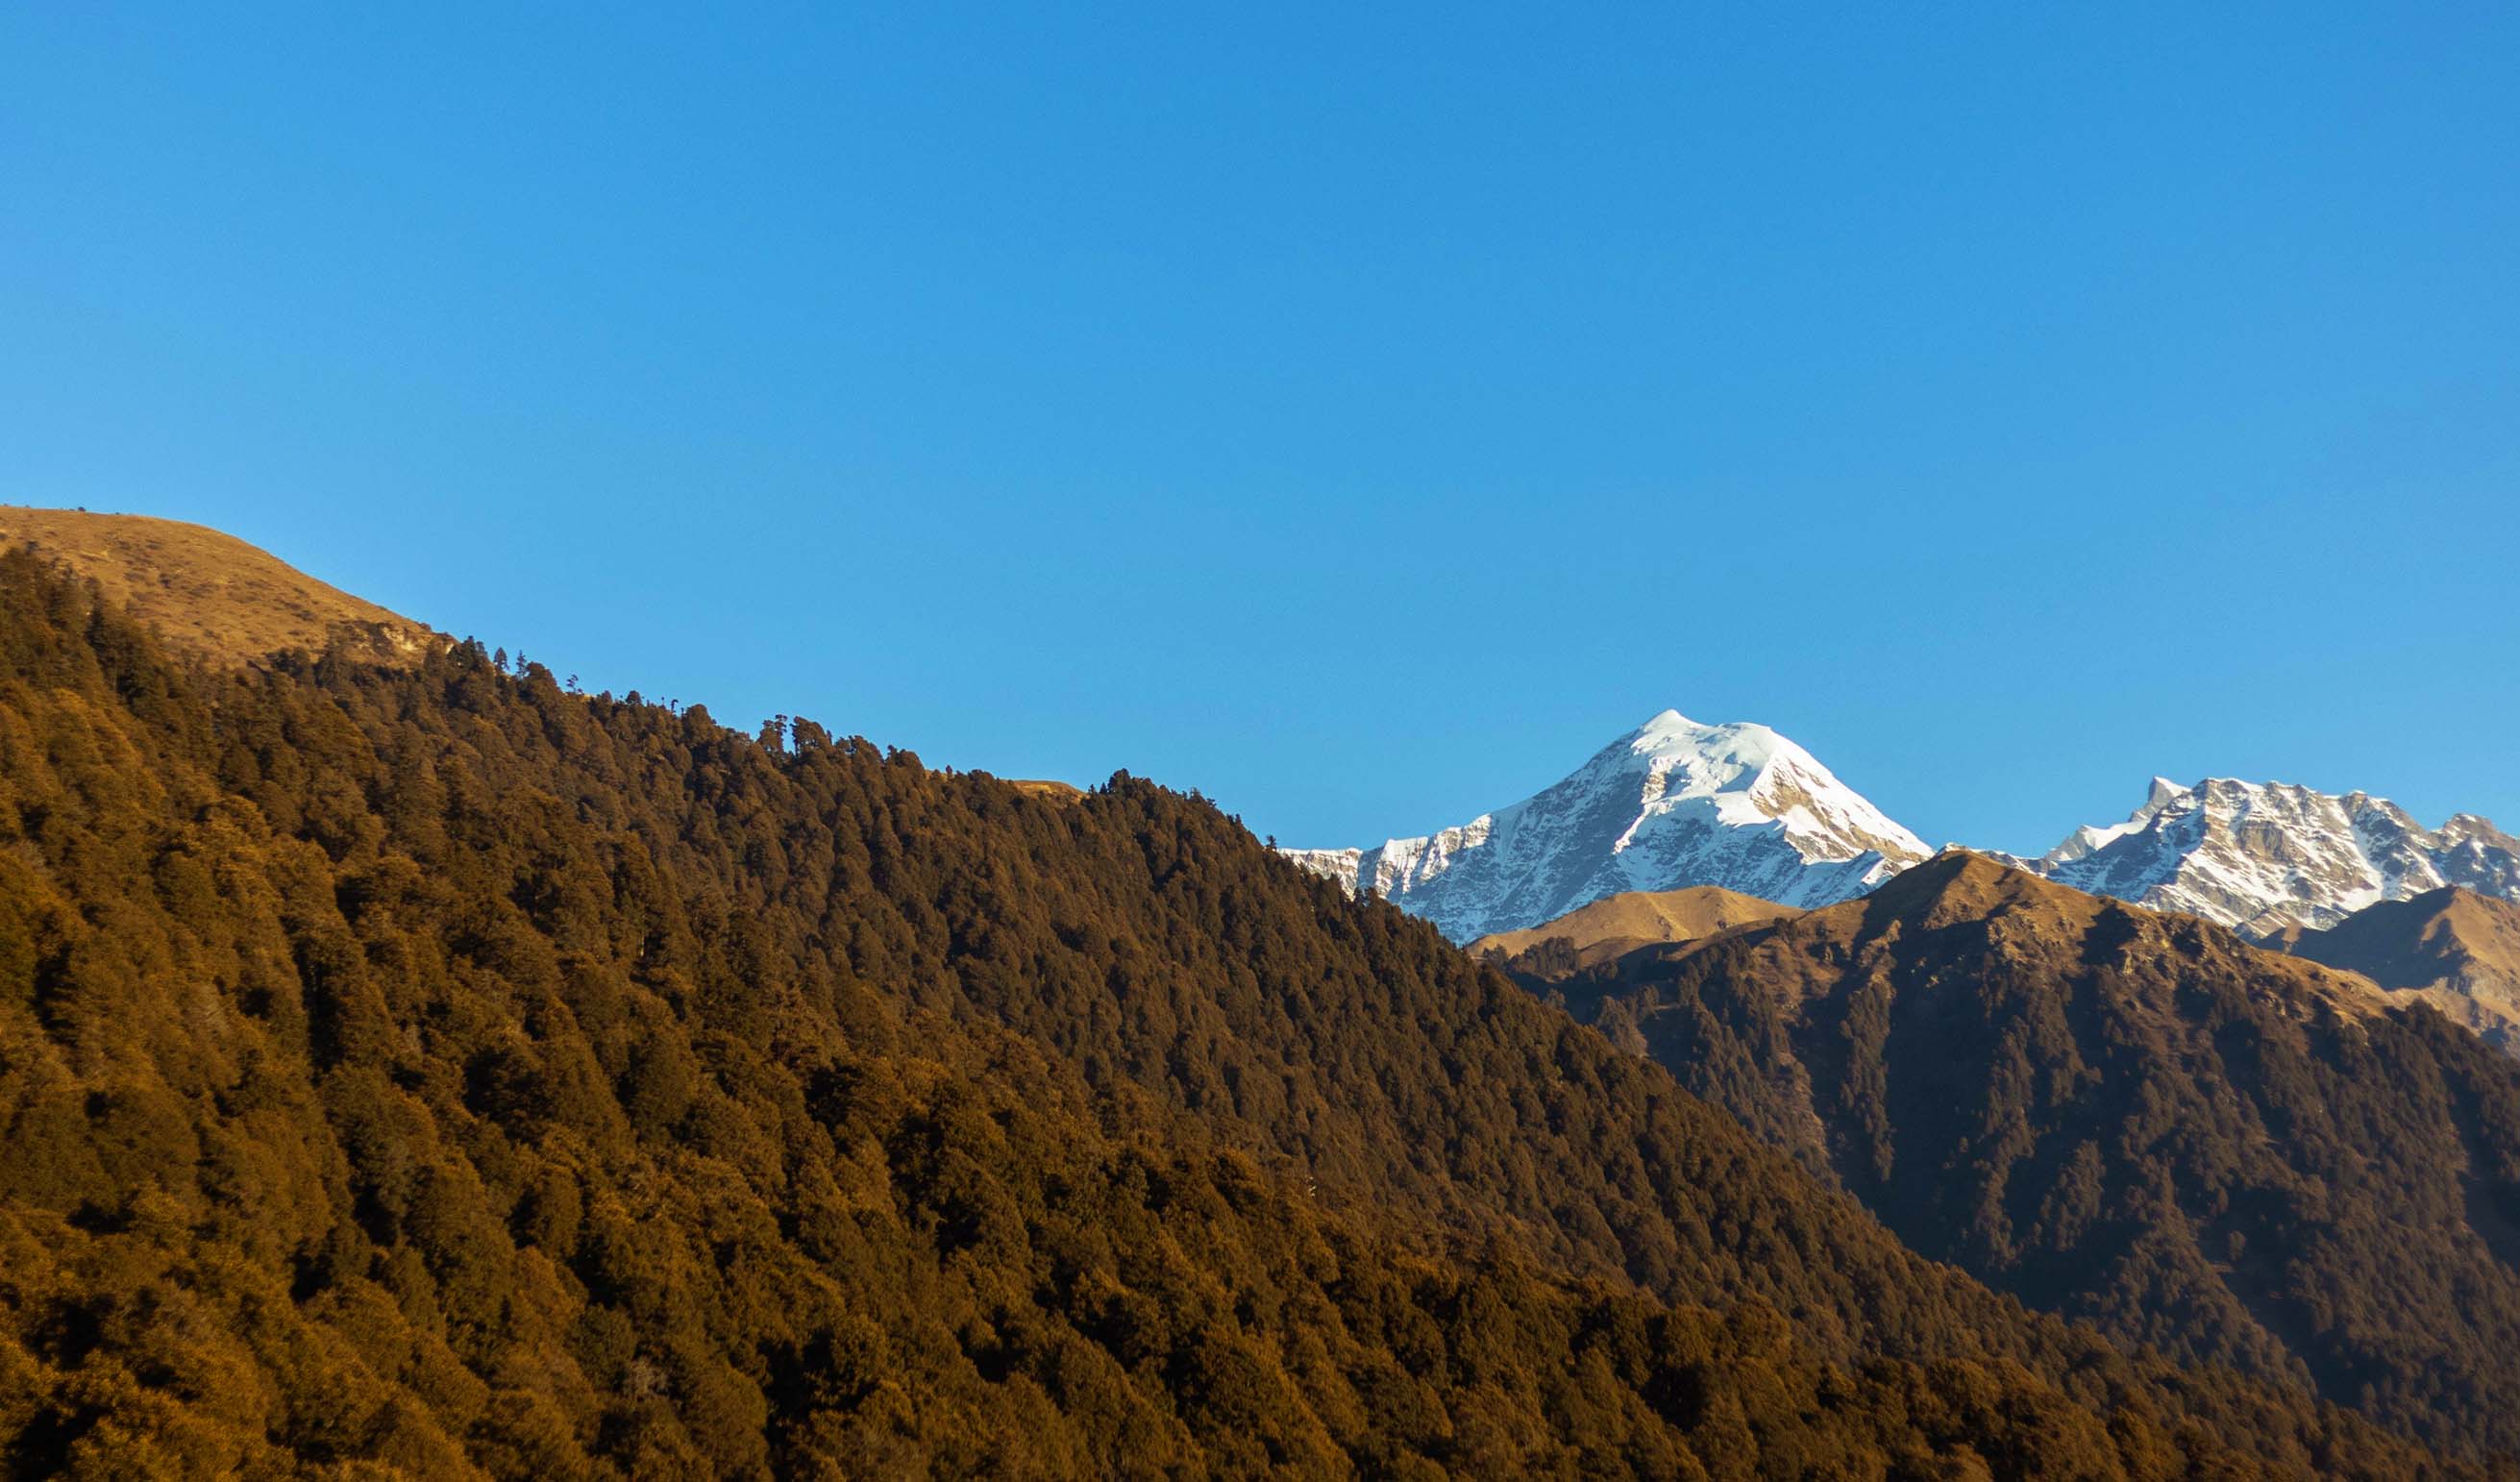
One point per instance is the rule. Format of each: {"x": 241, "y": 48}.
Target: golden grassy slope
{"x": 1616, "y": 923}
{"x": 208, "y": 592}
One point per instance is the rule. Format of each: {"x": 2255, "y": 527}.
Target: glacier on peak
{"x": 1670, "y": 804}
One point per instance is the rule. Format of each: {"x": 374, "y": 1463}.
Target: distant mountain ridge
{"x": 1676, "y": 805}
{"x": 1673, "y": 803}
{"x": 2265, "y": 857}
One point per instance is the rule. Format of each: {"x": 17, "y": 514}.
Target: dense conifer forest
{"x": 427, "y": 1069}
{"x": 2124, "y": 1116}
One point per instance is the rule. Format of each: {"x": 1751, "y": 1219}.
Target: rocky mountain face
{"x": 1671, "y": 804}
{"x": 2263, "y": 857}
{"x": 2126, "y": 1116}
{"x": 2450, "y": 948}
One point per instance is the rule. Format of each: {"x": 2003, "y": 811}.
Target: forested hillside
{"x": 2125, "y": 1116}
{"x": 430, "y": 1068}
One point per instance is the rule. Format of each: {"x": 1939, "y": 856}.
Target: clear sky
{"x": 1358, "y": 418}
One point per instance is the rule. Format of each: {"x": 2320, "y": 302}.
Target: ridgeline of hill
{"x": 423, "y": 1068}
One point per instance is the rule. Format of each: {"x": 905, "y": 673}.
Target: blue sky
{"x": 1359, "y": 418}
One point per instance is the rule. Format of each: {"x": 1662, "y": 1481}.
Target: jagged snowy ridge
{"x": 2265, "y": 857}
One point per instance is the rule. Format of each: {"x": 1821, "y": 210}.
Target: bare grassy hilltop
{"x": 211, "y": 593}
{"x": 1618, "y": 923}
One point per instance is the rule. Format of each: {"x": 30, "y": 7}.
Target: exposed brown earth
{"x": 211, "y": 593}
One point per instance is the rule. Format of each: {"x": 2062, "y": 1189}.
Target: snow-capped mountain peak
{"x": 1672, "y": 803}
{"x": 1754, "y": 776}
{"x": 2263, "y": 857}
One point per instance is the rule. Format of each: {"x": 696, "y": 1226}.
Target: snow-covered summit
{"x": 2263, "y": 857}
{"x": 1672, "y": 803}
